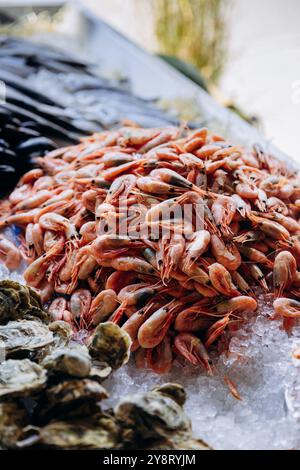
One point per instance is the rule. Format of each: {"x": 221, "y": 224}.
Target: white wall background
{"x": 264, "y": 58}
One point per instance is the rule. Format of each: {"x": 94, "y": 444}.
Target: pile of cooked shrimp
{"x": 106, "y": 236}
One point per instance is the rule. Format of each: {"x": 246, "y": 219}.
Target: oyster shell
{"x": 95, "y": 433}
{"x": 74, "y": 361}
{"x": 21, "y": 378}
{"x": 13, "y": 418}
{"x": 172, "y": 390}
{"x": 156, "y": 420}
{"x": 62, "y": 332}
{"x": 18, "y": 301}
{"x": 100, "y": 371}
{"x": 25, "y": 335}
{"x": 67, "y": 396}
{"x": 110, "y": 344}
{"x": 73, "y": 390}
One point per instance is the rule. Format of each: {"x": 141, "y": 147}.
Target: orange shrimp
{"x": 79, "y": 305}
{"x": 111, "y": 246}
{"x": 287, "y": 308}
{"x": 154, "y": 329}
{"x": 221, "y": 280}
{"x": 103, "y": 305}
{"x": 160, "y": 358}
{"x": 9, "y": 254}
{"x": 285, "y": 268}
{"x": 255, "y": 255}
{"x": 196, "y": 247}
{"x": 237, "y": 304}
{"x": 58, "y": 223}
{"x": 227, "y": 255}
{"x": 191, "y": 348}
{"x": 223, "y": 210}
{"x": 36, "y": 271}
{"x": 216, "y": 330}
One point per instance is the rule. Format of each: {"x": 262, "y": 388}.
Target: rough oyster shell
{"x": 100, "y": 432}
{"x": 18, "y": 301}
{"x": 172, "y": 390}
{"x": 110, "y": 344}
{"x": 62, "y": 332}
{"x": 25, "y": 335}
{"x": 21, "y": 377}
{"x": 74, "y": 361}
{"x": 68, "y": 396}
{"x": 155, "y": 420}
{"x": 13, "y": 418}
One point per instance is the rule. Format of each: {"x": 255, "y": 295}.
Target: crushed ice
{"x": 260, "y": 362}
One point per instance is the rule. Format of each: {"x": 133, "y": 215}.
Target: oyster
{"x": 69, "y": 395}
{"x": 155, "y": 420}
{"x": 13, "y": 418}
{"x": 110, "y": 344}
{"x": 151, "y": 414}
{"x": 74, "y": 361}
{"x": 98, "y": 432}
{"x": 25, "y": 335}
{"x": 100, "y": 371}
{"x": 18, "y": 301}
{"x": 172, "y": 390}
{"x": 21, "y": 378}
{"x": 62, "y": 332}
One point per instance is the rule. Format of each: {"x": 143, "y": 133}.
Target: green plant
{"x": 194, "y": 31}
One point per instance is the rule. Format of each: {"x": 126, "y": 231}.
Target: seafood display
{"x": 50, "y": 398}
{"x": 71, "y": 102}
{"x": 168, "y": 233}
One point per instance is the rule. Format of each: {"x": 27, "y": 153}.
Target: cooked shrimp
{"x": 270, "y": 228}
{"x": 151, "y": 185}
{"x": 242, "y": 206}
{"x": 255, "y": 255}
{"x": 285, "y": 268}
{"x": 36, "y": 271}
{"x": 103, "y": 305}
{"x": 36, "y": 200}
{"x": 258, "y": 275}
{"x": 277, "y": 205}
{"x": 108, "y": 246}
{"x": 79, "y": 304}
{"x": 133, "y": 324}
{"x": 221, "y": 280}
{"x": 223, "y": 210}
{"x": 160, "y": 358}
{"x": 287, "y": 308}
{"x": 154, "y": 329}
{"x": 9, "y": 254}
{"x": 237, "y": 304}
{"x": 227, "y": 255}
{"x": 191, "y": 348}
{"x": 57, "y": 308}
{"x": 58, "y": 223}
{"x": 215, "y": 330}
{"x": 191, "y": 319}
{"x": 196, "y": 247}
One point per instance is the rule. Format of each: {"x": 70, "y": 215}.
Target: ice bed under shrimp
{"x": 263, "y": 364}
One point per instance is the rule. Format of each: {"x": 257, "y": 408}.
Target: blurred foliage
{"x": 194, "y": 31}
